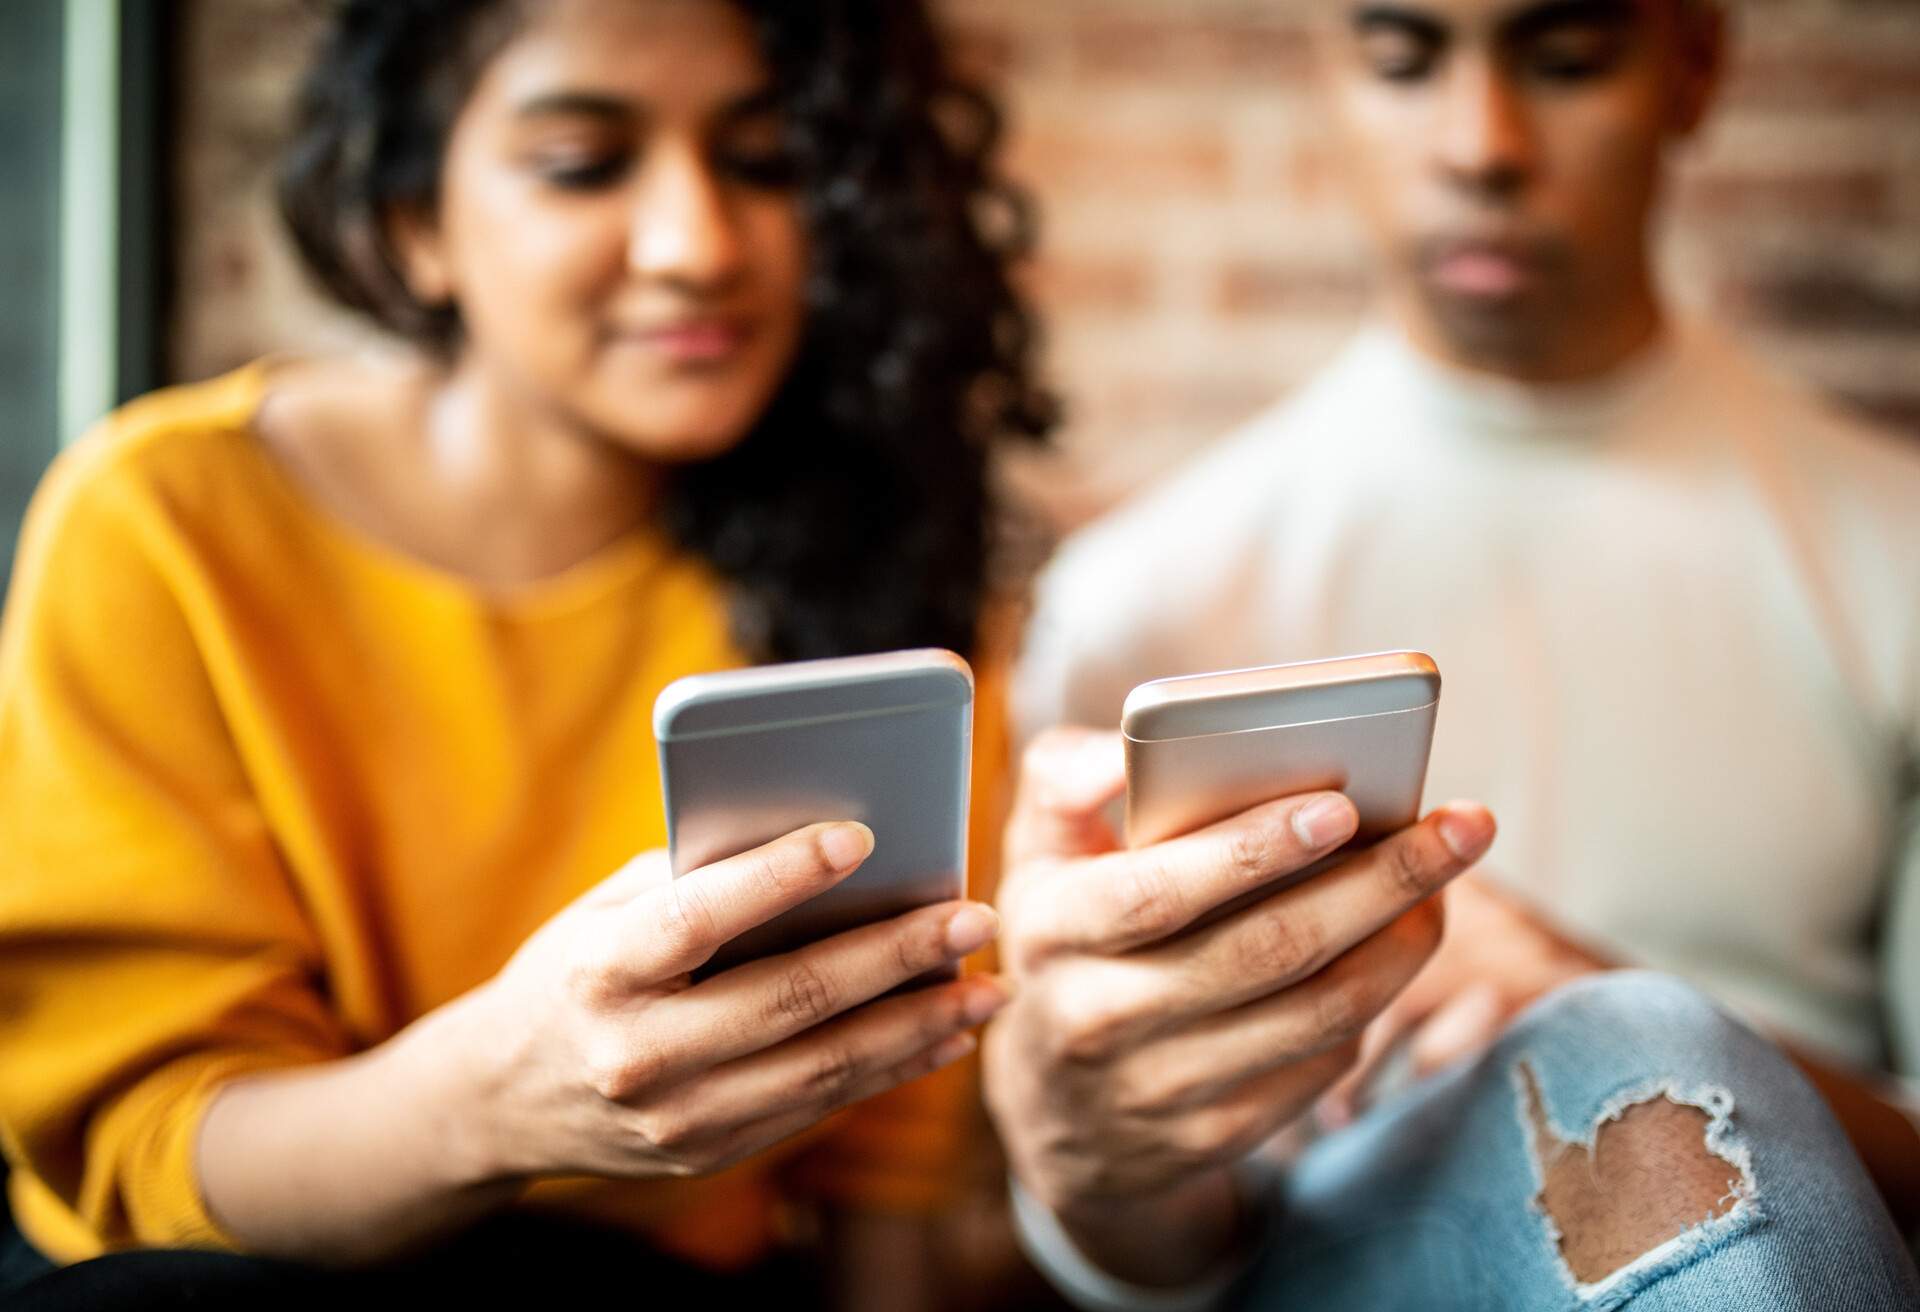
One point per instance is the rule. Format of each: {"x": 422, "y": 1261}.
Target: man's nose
{"x": 1484, "y": 139}
{"x": 683, "y": 229}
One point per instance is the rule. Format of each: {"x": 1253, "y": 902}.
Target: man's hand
{"x": 1142, "y": 1055}
{"x": 1497, "y": 957}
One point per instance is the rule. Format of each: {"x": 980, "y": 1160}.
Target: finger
{"x": 1068, "y": 776}
{"x": 1382, "y": 1038}
{"x": 828, "y": 1067}
{"x": 1122, "y": 901}
{"x": 673, "y": 928}
{"x": 1252, "y": 1112}
{"x": 1343, "y": 1102}
{"x": 766, "y": 1002}
{"x": 1291, "y": 935}
{"x": 1465, "y": 1027}
{"x": 1332, "y": 1009}
{"x": 759, "y": 1135}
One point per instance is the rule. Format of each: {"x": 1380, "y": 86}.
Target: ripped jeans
{"x": 1464, "y": 1192}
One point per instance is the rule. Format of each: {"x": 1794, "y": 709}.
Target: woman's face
{"x": 617, "y": 225}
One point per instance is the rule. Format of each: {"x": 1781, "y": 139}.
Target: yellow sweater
{"x": 268, "y": 792}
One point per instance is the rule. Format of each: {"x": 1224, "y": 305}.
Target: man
{"x": 1675, "y": 605}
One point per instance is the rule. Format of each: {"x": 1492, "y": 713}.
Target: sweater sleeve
{"x": 151, "y": 944}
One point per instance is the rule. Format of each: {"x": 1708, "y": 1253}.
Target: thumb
{"x": 1067, "y": 778}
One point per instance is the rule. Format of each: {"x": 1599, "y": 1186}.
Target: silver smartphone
{"x": 1204, "y": 747}
{"x": 749, "y": 755}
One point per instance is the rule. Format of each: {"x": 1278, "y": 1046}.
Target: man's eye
{"x": 1574, "y": 57}
{"x": 1398, "y": 56}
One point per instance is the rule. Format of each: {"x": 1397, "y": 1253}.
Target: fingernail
{"x": 954, "y": 1049}
{"x": 1467, "y": 830}
{"x": 846, "y": 845}
{"x": 1333, "y": 1115}
{"x": 984, "y": 1002}
{"x": 971, "y": 928}
{"x": 1323, "y": 822}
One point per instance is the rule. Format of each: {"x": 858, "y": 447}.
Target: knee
{"x": 1665, "y": 1023}
{"x": 1642, "y": 1160}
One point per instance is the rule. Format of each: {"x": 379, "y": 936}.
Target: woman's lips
{"x": 692, "y": 341}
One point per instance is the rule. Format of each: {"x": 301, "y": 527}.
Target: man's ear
{"x": 420, "y": 247}
{"x": 1703, "y": 36}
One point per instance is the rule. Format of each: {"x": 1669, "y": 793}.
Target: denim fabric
{"x": 1428, "y": 1202}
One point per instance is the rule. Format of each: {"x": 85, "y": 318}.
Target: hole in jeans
{"x": 1651, "y": 1172}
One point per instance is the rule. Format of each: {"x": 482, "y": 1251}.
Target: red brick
{"x": 1112, "y": 285}
{"x": 1898, "y": 411}
{"x": 1063, "y": 160}
{"x": 1853, "y": 195}
{"x": 1246, "y": 287}
{"x": 1170, "y": 47}
{"x": 982, "y": 52}
{"x": 1825, "y": 299}
{"x": 1808, "y": 77}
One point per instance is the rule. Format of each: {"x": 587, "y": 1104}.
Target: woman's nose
{"x": 683, "y": 229}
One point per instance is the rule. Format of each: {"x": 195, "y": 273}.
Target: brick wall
{"x": 1198, "y": 257}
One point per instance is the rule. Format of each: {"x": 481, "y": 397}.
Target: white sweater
{"x": 1677, "y": 617}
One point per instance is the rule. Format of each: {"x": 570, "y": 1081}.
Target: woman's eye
{"x": 767, "y": 169}
{"x": 583, "y": 172}
{"x": 1398, "y": 56}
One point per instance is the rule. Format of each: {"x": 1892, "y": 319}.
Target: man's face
{"x": 1507, "y": 155}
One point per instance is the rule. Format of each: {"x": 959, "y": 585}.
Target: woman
{"x": 324, "y": 694}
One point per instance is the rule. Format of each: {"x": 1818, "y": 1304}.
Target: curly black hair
{"x": 858, "y": 514}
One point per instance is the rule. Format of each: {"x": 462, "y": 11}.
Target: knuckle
{"x": 669, "y": 1128}
{"x": 1155, "y": 1092}
{"x": 587, "y": 980}
{"x": 1149, "y": 901}
{"x": 1025, "y": 942}
{"x": 922, "y": 949}
{"x": 615, "y": 1070}
{"x": 831, "y": 1074}
{"x": 1341, "y": 1010}
{"x": 1410, "y": 867}
{"x": 1220, "y": 1134}
{"x": 947, "y": 1015}
{"x": 1276, "y": 944}
{"x": 1251, "y": 853}
{"x": 686, "y": 920}
{"x": 1201, "y": 1136}
{"x": 1088, "y": 1029}
{"x": 803, "y": 997}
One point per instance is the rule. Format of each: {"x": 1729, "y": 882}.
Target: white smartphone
{"x": 1204, "y": 747}
{"x": 749, "y": 755}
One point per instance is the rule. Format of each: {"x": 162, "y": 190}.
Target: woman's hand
{"x": 612, "y": 1062}
{"x": 1143, "y": 1055}
{"x": 592, "y": 1052}
{"x": 1497, "y": 957}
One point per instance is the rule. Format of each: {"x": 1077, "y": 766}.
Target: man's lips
{"x": 1491, "y": 270}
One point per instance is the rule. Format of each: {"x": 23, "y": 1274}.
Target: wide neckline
{"x": 605, "y": 571}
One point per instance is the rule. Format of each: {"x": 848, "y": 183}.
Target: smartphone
{"x": 749, "y": 755}
{"x": 1206, "y": 746}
